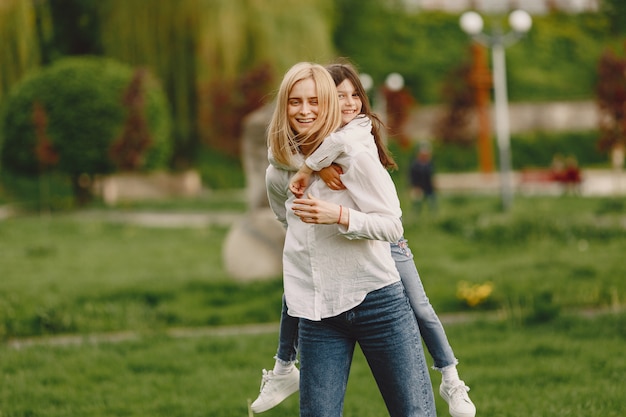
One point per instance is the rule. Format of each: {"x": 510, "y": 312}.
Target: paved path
{"x": 193, "y": 332}
{"x": 595, "y": 183}
{"x": 252, "y": 329}
{"x": 161, "y": 219}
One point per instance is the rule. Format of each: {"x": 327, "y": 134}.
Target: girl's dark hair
{"x": 344, "y": 71}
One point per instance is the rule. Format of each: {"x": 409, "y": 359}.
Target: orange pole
{"x": 481, "y": 82}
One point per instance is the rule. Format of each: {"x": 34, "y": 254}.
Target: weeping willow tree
{"x": 246, "y": 45}
{"x": 211, "y": 53}
{"x": 19, "y": 40}
{"x": 163, "y": 37}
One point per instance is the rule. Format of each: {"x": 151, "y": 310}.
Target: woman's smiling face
{"x": 302, "y": 105}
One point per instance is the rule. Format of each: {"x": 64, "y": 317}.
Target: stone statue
{"x": 253, "y": 247}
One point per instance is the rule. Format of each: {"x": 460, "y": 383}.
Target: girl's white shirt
{"x": 329, "y": 269}
{"x": 355, "y": 132}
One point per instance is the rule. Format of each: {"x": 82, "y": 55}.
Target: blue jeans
{"x": 287, "y": 337}
{"x": 430, "y": 327}
{"x": 386, "y": 330}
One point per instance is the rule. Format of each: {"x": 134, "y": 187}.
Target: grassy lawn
{"x": 549, "y": 370}
{"x": 518, "y": 280}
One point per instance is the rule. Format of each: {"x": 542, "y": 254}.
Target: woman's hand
{"x": 331, "y": 177}
{"x": 315, "y": 211}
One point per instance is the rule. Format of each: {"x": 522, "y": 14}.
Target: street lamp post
{"x": 520, "y": 22}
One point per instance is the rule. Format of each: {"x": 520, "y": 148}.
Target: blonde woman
{"x": 360, "y": 124}
{"x": 339, "y": 276}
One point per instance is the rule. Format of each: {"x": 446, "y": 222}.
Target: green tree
{"x": 203, "y": 48}
{"x": 67, "y": 117}
{"x": 19, "y": 40}
{"x": 615, "y": 11}
{"x": 557, "y": 60}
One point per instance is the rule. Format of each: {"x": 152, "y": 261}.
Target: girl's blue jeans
{"x": 386, "y": 330}
{"x": 429, "y": 325}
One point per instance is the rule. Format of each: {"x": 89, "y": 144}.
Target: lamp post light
{"x": 520, "y": 23}
{"x": 394, "y": 81}
{"x": 367, "y": 81}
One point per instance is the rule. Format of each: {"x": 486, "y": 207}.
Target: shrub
{"x": 529, "y": 149}
{"x": 66, "y": 117}
{"x": 537, "y": 149}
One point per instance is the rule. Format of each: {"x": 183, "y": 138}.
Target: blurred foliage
{"x": 615, "y": 12}
{"x": 522, "y": 229}
{"x": 381, "y": 38}
{"x": 537, "y": 149}
{"x": 220, "y": 59}
{"x": 220, "y": 170}
{"x": 76, "y": 29}
{"x": 50, "y": 192}
{"x": 556, "y": 60}
{"x": 208, "y": 53}
{"x": 84, "y": 114}
{"x": 19, "y": 40}
{"x": 165, "y": 38}
{"x": 531, "y": 149}
{"x": 204, "y": 51}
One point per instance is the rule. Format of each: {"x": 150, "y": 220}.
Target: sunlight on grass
{"x": 547, "y": 370}
{"x": 521, "y": 349}
{"x": 73, "y": 274}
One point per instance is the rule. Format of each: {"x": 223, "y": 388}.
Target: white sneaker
{"x": 458, "y": 401}
{"x": 275, "y": 388}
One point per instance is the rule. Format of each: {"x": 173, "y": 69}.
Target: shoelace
{"x": 459, "y": 391}
{"x": 264, "y": 379}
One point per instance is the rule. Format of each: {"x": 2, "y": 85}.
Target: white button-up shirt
{"x": 329, "y": 269}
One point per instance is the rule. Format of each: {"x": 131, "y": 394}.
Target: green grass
{"x": 549, "y": 370}
{"x": 63, "y": 275}
{"x": 525, "y": 349}
{"x": 66, "y": 274}
{"x": 566, "y": 248}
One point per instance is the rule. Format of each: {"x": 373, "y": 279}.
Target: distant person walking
{"x": 421, "y": 177}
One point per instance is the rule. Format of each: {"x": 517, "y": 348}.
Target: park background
{"x": 102, "y": 312}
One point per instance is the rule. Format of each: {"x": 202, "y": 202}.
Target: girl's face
{"x": 302, "y": 105}
{"x": 349, "y": 100}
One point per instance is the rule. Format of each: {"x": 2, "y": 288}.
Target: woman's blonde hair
{"x": 281, "y": 138}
